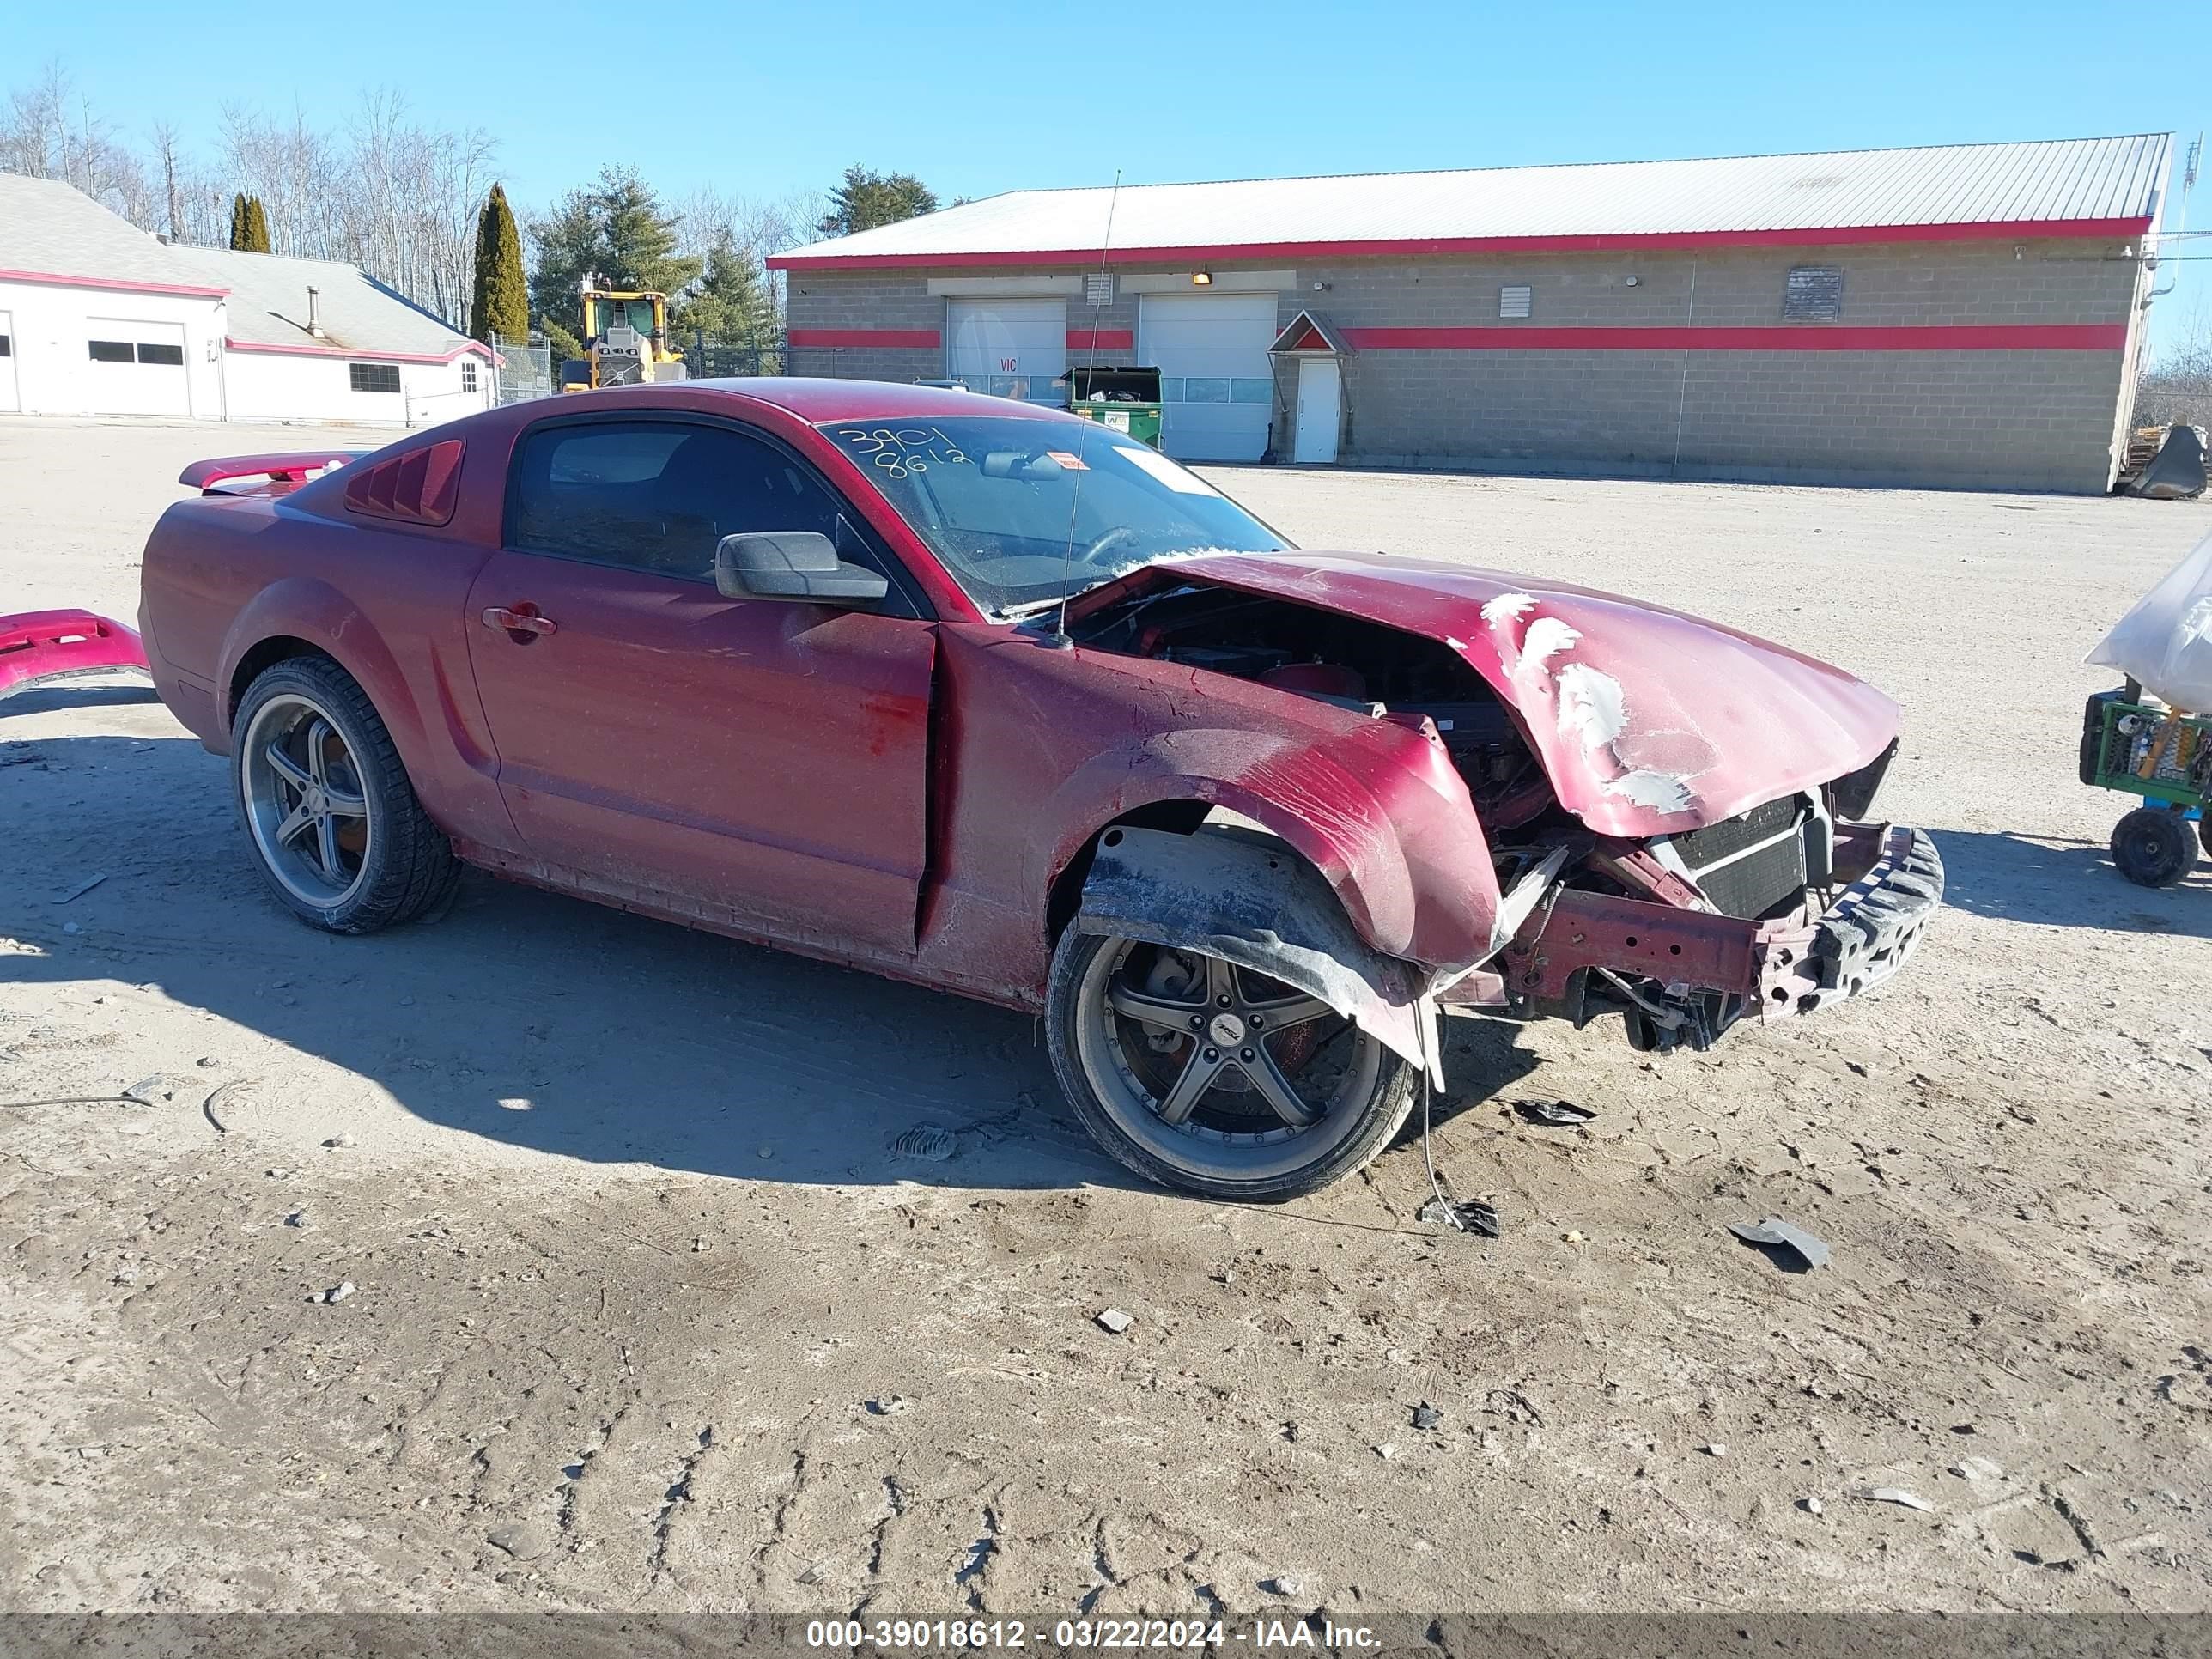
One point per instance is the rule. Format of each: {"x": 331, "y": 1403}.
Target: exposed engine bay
{"x": 1347, "y": 661}
{"x": 1775, "y": 866}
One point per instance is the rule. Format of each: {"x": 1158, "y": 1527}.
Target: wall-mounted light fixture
{"x": 1202, "y": 279}
{"x": 1321, "y": 288}
{"x": 1631, "y": 281}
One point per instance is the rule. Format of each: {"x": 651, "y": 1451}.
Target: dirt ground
{"x": 647, "y": 1315}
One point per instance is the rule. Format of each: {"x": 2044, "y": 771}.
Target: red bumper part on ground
{"x": 39, "y": 648}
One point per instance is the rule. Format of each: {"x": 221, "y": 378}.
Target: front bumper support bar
{"x": 1777, "y": 970}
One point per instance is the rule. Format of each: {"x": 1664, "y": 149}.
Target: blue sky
{"x": 761, "y": 99}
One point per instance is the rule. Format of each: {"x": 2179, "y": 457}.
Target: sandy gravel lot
{"x": 633, "y": 1256}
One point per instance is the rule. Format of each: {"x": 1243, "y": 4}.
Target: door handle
{"x": 526, "y": 621}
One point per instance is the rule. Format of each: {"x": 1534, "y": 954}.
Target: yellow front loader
{"x": 625, "y": 336}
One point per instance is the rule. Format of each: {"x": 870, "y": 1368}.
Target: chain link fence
{"x": 703, "y": 361}
{"x": 523, "y": 372}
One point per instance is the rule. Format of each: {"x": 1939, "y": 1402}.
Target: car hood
{"x": 1646, "y": 720}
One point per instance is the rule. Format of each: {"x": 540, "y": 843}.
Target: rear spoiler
{"x": 286, "y": 469}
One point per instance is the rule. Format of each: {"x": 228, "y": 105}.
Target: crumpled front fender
{"x": 1248, "y": 899}
{"x": 1378, "y": 811}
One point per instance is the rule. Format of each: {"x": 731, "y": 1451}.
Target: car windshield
{"x": 1021, "y": 511}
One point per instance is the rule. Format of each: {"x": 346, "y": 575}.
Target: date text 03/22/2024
{"x": 1137, "y": 1635}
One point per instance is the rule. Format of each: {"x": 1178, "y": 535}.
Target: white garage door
{"x": 137, "y": 368}
{"x": 1216, "y": 387}
{"x": 1007, "y": 348}
{"x": 9, "y": 402}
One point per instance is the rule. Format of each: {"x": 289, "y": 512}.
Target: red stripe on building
{"x": 58, "y": 279}
{"x": 479, "y": 348}
{"x": 1809, "y": 337}
{"x": 1829, "y": 236}
{"x": 902, "y": 338}
{"x": 1101, "y": 339}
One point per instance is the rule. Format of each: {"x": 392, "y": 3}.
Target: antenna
{"x": 1059, "y": 640}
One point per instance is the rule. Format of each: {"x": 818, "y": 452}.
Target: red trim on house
{"x": 899, "y": 337}
{"x": 1829, "y": 236}
{"x": 1101, "y": 339}
{"x": 1801, "y": 337}
{"x": 55, "y": 279}
{"x": 479, "y": 347}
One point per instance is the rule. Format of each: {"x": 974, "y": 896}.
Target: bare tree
{"x": 2176, "y": 389}
{"x": 49, "y": 131}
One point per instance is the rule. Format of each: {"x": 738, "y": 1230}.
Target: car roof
{"x": 815, "y": 400}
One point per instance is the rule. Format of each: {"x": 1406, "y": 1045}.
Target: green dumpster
{"x": 1120, "y": 399}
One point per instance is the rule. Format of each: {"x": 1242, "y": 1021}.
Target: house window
{"x": 173, "y": 357}
{"x": 468, "y": 375}
{"x": 1813, "y": 293}
{"x": 7, "y": 346}
{"x": 374, "y": 377}
{"x": 1513, "y": 301}
{"x": 112, "y": 351}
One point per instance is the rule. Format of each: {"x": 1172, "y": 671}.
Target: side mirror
{"x": 797, "y": 565}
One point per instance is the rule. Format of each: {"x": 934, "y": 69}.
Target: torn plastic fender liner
{"x": 1249, "y": 900}
{"x": 42, "y": 647}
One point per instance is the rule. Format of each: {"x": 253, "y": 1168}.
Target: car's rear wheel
{"x": 329, "y": 813}
{"x": 1209, "y": 1076}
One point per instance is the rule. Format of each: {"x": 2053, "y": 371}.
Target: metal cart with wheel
{"x": 2162, "y": 756}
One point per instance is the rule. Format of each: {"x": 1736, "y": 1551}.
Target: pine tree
{"x": 731, "y": 305}
{"x": 616, "y": 231}
{"x": 640, "y": 236}
{"x": 501, "y": 305}
{"x": 249, "y": 231}
{"x": 864, "y": 199}
{"x": 238, "y": 221}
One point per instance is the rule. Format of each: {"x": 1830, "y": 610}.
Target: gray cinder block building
{"x": 1963, "y": 315}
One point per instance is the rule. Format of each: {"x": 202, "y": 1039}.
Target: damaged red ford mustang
{"x": 990, "y": 698}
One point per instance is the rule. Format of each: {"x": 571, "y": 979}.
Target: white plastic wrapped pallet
{"x": 2165, "y": 644}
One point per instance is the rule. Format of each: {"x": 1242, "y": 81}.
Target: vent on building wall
{"x": 1098, "y": 289}
{"x": 420, "y": 486}
{"x": 1513, "y": 301}
{"x": 1813, "y": 293}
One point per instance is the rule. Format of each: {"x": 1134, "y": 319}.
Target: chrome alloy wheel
{"x": 305, "y": 806}
{"x": 1220, "y": 1071}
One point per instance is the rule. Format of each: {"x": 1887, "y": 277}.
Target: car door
{"x": 762, "y": 764}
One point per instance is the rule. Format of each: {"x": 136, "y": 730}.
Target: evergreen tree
{"x": 251, "y": 234}
{"x": 617, "y": 231}
{"x": 238, "y": 221}
{"x": 731, "y": 306}
{"x": 864, "y": 199}
{"x": 501, "y": 304}
{"x": 567, "y": 246}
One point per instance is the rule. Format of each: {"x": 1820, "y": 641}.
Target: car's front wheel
{"x": 1203, "y": 1075}
{"x": 329, "y": 813}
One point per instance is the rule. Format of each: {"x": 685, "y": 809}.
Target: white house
{"x": 100, "y": 318}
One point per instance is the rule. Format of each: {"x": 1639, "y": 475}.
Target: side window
{"x": 655, "y": 495}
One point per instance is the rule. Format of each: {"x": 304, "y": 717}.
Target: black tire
{"x": 397, "y": 865}
{"x": 1376, "y": 1088}
{"x": 2204, "y": 834}
{"x": 2150, "y": 846}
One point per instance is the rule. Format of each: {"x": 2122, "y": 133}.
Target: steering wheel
{"x": 1113, "y": 538}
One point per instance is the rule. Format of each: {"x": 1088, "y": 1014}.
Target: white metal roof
{"x": 49, "y": 228}
{"x": 2058, "y": 182}
{"x": 269, "y": 304}
{"x": 52, "y": 231}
